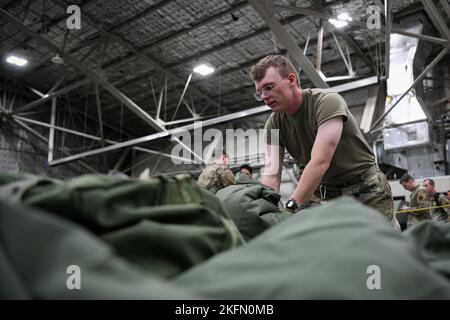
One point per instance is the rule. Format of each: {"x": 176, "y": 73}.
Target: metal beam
{"x": 355, "y": 47}
{"x": 182, "y": 96}
{"x": 194, "y": 57}
{"x": 369, "y": 109}
{"x": 394, "y": 29}
{"x": 88, "y": 136}
{"x": 206, "y": 123}
{"x": 150, "y": 59}
{"x": 387, "y": 34}
{"x": 37, "y": 134}
{"x": 342, "y": 54}
{"x": 51, "y": 137}
{"x": 159, "y": 135}
{"x": 46, "y": 98}
{"x": 438, "y": 102}
{"x": 99, "y": 112}
{"x": 323, "y": 16}
{"x": 121, "y": 159}
{"x": 446, "y": 7}
{"x": 419, "y": 78}
{"x": 192, "y": 26}
{"x": 319, "y": 46}
{"x": 285, "y": 38}
{"x": 356, "y": 84}
{"x": 423, "y": 37}
{"x": 436, "y": 18}
{"x": 84, "y": 70}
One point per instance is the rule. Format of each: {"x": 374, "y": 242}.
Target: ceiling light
{"x": 338, "y": 23}
{"x": 17, "y": 61}
{"x": 344, "y": 16}
{"x": 341, "y": 21}
{"x": 203, "y": 69}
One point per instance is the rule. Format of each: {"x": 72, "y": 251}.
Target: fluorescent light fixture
{"x": 344, "y": 16}
{"x": 341, "y": 21}
{"x": 203, "y": 69}
{"x": 338, "y": 23}
{"x": 17, "y": 61}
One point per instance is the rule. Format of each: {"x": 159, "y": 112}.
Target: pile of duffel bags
{"x": 167, "y": 238}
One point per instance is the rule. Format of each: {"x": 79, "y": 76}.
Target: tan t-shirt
{"x": 297, "y": 133}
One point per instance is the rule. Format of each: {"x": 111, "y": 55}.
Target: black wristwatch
{"x": 291, "y": 205}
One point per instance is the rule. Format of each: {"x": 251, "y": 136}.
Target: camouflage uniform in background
{"x": 373, "y": 190}
{"x": 419, "y": 199}
{"x": 439, "y": 214}
{"x": 215, "y": 177}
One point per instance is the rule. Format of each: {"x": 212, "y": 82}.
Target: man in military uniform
{"x": 246, "y": 169}
{"x": 217, "y": 175}
{"x": 318, "y": 130}
{"x": 436, "y": 199}
{"x": 418, "y": 200}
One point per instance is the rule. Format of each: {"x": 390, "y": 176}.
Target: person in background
{"x": 418, "y": 200}
{"x": 246, "y": 169}
{"x": 217, "y": 175}
{"x": 436, "y": 199}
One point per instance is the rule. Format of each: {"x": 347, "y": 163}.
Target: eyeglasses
{"x": 266, "y": 89}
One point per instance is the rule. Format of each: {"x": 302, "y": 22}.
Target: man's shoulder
{"x": 274, "y": 120}
{"x": 325, "y": 95}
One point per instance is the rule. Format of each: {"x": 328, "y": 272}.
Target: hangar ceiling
{"x": 127, "y": 72}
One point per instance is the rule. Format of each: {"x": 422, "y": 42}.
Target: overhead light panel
{"x": 16, "y": 61}
{"x": 203, "y": 69}
{"x": 341, "y": 21}
{"x": 344, "y": 16}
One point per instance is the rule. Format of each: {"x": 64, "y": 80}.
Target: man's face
{"x": 429, "y": 188}
{"x": 274, "y": 90}
{"x": 245, "y": 171}
{"x": 408, "y": 185}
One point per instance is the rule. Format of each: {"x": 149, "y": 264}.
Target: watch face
{"x": 290, "y": 204}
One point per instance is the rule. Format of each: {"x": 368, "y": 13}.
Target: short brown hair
{"x": 430, "y": 181}
{"x": 281, "y": 63}
{"x": 406, "y": 177}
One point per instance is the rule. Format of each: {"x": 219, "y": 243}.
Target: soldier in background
{"x": 246, "y": 169}
{"x": 217, "y": 175}
{"x": 436, "y": 199}
{"x": 418, "y": 200}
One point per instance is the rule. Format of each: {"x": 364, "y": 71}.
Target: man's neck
{"x": 297, "y": 101}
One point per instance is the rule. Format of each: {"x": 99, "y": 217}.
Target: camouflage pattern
{"x": 439, "y": 214}
{"x": 374, "y": 191}
{"x": 215, "y": 177}
{"x": 419, "y": 199}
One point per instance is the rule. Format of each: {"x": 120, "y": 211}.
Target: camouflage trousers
{"x": 373, "y": 190}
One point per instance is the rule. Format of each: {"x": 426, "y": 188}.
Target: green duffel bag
{"x": 252, "y": 206}
{"x": 163, "y": 225}
{"x": 43, "y": 256}
{"x": 340, "y": 250}
{"x": 433, "y": 241}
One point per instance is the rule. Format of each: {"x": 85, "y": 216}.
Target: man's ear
{"x": 292, "y": 79}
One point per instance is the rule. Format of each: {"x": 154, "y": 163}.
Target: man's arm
{"x": 271, "y": 176}
{"x": 327, "y": 139}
